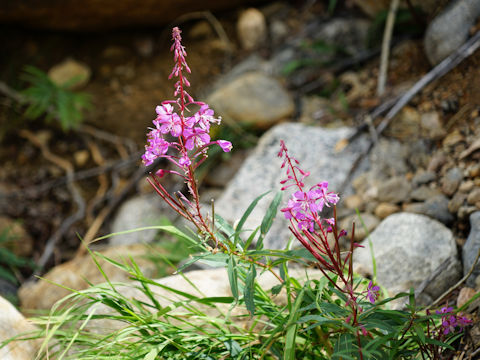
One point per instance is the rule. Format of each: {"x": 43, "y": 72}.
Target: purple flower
{"x": 167, "y": 121}
{"x": 372, "y": 292}
{"x": 448, "y": 324}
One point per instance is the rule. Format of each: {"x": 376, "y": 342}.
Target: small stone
{"x": 423, "y": 193}
{"x": 466, "y": 186}
{"x": 465, "y": 211}
{"x": 451, "y": 181}
{"x": 465, "y": 294}
{"x": 353, "y": 202}
{"x": 394, "y": 190}
{"x": 474, "y": 171}
{"x": 369, "y": 220}
{"x": 278, "y": 30}
{"x": 144, "y": 46}
{"x": 437, "y": 161}
{"x": 201, "y": 30}
{"x": 453, "y": 138}
{"x": 252, "y": 29}
{"x": 81, "y": 157}
{"x": 474, "y": 196}
{"x": 383, "y": 210}
{"x": 71, "y": 72}
{"x": 436, "y": 208}
{"x": 423, "y": 177}
{"x": 253, "y": 99}
{"x": 432, "y": 126}
{"x": 457, "y": 201}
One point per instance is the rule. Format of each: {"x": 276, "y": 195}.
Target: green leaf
{"x": 233, "y": 276}
{"x": 233, "y": 347}
{"x": 246, "y": 215}
{"x": 248, "y": 291}
{"x": 152, "y": 354}
{"x": 292, "y": 327}
{"x": 268, "y": 218}
{"x": 276, "y": 289}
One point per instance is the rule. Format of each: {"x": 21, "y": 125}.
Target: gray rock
{"x": 394, "y": 190}
{"x": 423, "y": 177}
{"x": 456, "y": 202}
{"x": 449, "y": 30}
{"x": 471, "y": 248}
{"x": 408, "y": 248}
{"x": 137, "y": 212}
{"x": 312, "y": 146}
{"x": 388, "y": 159}
{"x": 452, "y": 180}
{"x": 423, "y": 193}
{"x": 252, "y": 99}
{"x": 348, "y": 34}
{"x": 435, "y": 207}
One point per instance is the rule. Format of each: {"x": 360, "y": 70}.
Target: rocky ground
{"x": 305, "y": 75}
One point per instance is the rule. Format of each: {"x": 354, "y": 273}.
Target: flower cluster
{"x": 304, "y": 206}
{"x": 450, "y": 321}
{"x": 190, "y": 133}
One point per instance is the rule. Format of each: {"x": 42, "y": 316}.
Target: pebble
{"x": 466, "y": 186}
{"x": 436, "y": 208}
{"x": 456, "y": 202}
{"x": 423, "y": 177}
{"x": 451, "y": 181}
{"x": 423, "y": 193}
{"x": 251, "y": 29}
{"x": 474, "y": 196}
{"x": 69, "y": 70}
{"x": 354, "y": 202}
{"x": 17, "y": 239}
{"x": 81, "y": 157}
{"x": 465, "y": 294}
{"x": 383, "y": 210}
{"x": 252, "y": 99}
{"x": 394, "y": 190}
{"x": 431, "y": 125}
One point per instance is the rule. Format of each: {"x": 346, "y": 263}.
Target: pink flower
{"x": 225, "y": 145}
{"x": 195, "y": 137}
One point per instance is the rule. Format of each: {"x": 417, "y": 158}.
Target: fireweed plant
{"x": 338, "y": 315}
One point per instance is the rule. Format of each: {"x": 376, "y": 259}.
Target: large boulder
{"x": 314, "y": 147}
{"x": 408, "y": 250}
{"x": 12, "y": 323}
{"x": 75, "y": 273}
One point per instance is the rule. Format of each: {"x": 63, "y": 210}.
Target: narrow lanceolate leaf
{"x": 232, "y": 276}
{"x": 152, "y": 354}
{"x": 248, "y": 291}
{"x": 246, "y": 215}
{"x": 268, "y": 218}
{"x": 292, "y": 327}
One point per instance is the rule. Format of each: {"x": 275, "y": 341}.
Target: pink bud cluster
{"x": 190, "y": 133}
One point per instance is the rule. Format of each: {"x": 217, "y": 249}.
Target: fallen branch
{"x": 77, "y": 198}
{"x": 437, "y": 72}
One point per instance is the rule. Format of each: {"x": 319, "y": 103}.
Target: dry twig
{"x": 387, "y": 38}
